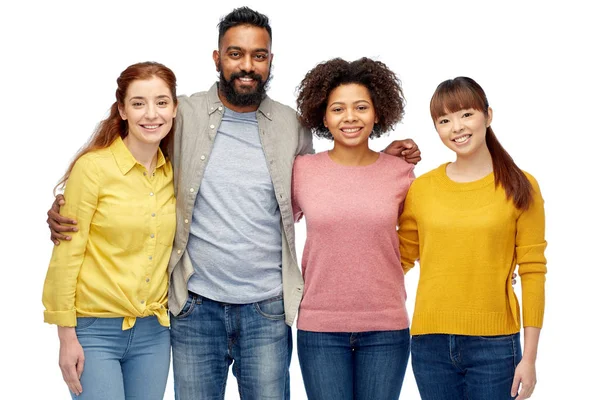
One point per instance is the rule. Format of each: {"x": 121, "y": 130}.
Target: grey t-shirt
{"x": 235, "y": 235}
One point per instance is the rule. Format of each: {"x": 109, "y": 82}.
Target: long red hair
{"x": 462, "y": 93}
{"x": 113, "y": 126}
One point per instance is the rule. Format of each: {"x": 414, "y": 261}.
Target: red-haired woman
{"x": 106, "y": 289}
{"x": 470, "y": 222}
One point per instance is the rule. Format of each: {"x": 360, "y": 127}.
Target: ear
{"x": 490, "y": 115}
{"x": 216, "y": 59}
{"x": 122, "y": 113}
{"x": 325, "y": 123}
{"x": 175, "y": 111}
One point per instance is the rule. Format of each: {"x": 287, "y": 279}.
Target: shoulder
{"x": 429, "y": 177}
{"x": 397, "y": 163}
{"x": 280, "y": 111}
{"x": 310, "y": 160}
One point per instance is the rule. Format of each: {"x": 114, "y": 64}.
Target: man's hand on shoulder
{"x": 59, "y": 224}
{"x": 406, "y": 148}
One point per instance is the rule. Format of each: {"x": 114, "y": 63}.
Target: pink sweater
{"x": 351, "y": 262}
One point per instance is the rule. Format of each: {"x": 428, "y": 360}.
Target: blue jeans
{"x": 209, "y": 336}
{"x": 458, "y": 367}
{"x": 131, "y": 364}
{"x": 353, "y": 366}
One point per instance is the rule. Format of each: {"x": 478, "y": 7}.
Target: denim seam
{"x": 192, "y": 306}
{"x": 129, "y": 341}
{"x": 87, "y": 326}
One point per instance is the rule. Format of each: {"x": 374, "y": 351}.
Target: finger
{"x": 72, "y": 380}
{"x": 515, "y": 386}
{"x": 55, "y": 218}
{"x": 80, "y": 367}
{"x": 54, "y": 236}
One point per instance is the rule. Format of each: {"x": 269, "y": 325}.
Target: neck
{"x": 144, "y": 153}
{"x": 471, "y": 167}
{"x": 240, "y": 109}
{"x": 353, "y": 156}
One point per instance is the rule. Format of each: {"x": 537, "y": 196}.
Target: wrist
{"x": 66, "y": 333}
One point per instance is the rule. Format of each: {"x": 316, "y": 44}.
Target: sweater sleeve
{"x": 408, "y": 234}
{"x": 81, "y": 196}
{"x": 530, "y": 246}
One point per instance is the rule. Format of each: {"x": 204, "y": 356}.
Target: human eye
{"x": 442, "y": 121}
{"x": 163, "y": 103}
{"x": 137, "y": 104}
{"x": 260, "y": 56}
{"x": 362, "y": 107}
{"x": 234, "y": 54}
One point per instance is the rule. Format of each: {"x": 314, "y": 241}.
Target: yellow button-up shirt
{"x": 116, "y": 264}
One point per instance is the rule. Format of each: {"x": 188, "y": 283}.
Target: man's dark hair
{"x": 243, "y": 16}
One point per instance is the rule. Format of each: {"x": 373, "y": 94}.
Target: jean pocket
{"x": 188, "y": 307}
{"x": 497, "y": 338}
{"x": 85, "y": 322}
{"x": 271, "y": 308}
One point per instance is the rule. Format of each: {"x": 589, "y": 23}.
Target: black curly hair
{"x": 383, "y": 85}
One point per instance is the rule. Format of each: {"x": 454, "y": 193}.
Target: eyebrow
{"x": 355, "y": 102}
{"x": 259, "y": 50}
{"x": 162, "y": 96}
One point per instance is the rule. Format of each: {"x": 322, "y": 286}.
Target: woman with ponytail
{"x": 106, "y": 289}
{"x": 469, "y": 223}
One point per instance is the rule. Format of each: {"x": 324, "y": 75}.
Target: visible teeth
{"x": 353, "y": 130}
{"x": 462, "y": 139}
{"x": 150, "y": 126}
{"x": 246, "y": 79}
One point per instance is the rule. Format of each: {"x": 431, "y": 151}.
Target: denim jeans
{"x": 458, "y": 367}
{"x": 353, "y": 366}
{"x": 131, "y": 364}
{"x": 209, "y": 336}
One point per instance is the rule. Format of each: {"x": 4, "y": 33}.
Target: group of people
{"x": 176, "y": 233}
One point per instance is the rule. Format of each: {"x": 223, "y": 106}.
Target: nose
{"x": 457, "y": 125}
{"x": 151, "y": 111}
{"x": 350, "y": 116}
{"x": 246, "y": 63}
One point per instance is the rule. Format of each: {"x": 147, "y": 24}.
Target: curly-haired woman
{"x": 353, "y": 336}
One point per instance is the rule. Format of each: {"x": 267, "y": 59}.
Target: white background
{"x": 536, "y": 60}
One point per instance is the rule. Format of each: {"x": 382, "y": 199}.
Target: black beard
{"x": 227, "y": 88}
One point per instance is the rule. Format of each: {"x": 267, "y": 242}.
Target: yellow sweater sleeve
{"x": 81, "y": 194}
{"x": 408, "y": 234}
{"x": 530, "y": 245}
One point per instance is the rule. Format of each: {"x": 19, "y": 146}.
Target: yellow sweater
{"x": 468, "y": 239}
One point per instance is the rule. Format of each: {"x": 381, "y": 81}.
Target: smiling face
{"x": 244, "y": 62}
{"x": 350, "y": 115}
{"x": 464, "y": 131}
{"x": 149, "y": 110}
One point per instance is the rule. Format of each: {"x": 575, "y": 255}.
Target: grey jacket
{"x": 282, "y": 138}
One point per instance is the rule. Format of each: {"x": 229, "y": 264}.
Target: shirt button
{"x": 212, "y": 127}
{"x": 178, "y": 251}
{"x": 203, "y": 157}
{"x": 150, "y": 258}
{"x": 142, "y": 301}
{"x": 144, "y": 174}
{"x": 151, "y": 193}
{"x": 220, "y": 108}
{"x": 186, "y": 220}
{"x": 147, "y": 280}
{"x": 152, "y": 236}
{"x": 191, "y": 190}
{"x": 153, "y": 214}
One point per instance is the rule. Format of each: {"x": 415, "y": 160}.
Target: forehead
{"x": 148, "y": 87}
{"x": 246, "y": 37}
{"x": 349, "y": 93}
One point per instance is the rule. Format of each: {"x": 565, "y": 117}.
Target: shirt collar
{"x": 125, "y": 159}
